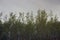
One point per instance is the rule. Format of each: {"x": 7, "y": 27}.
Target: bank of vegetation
{"x": 30, "y": 27}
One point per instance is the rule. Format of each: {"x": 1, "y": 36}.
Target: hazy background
{"x": 28, "y": 5}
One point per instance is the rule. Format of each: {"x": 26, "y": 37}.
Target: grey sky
{"x": 28, "y": 5}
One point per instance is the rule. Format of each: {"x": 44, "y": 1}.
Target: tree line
{"x": 28, "y": 27}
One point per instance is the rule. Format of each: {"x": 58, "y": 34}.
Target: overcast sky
{"x": 28, "y": 5}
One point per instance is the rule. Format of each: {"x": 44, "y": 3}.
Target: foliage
{"x": 26, "y": 27}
